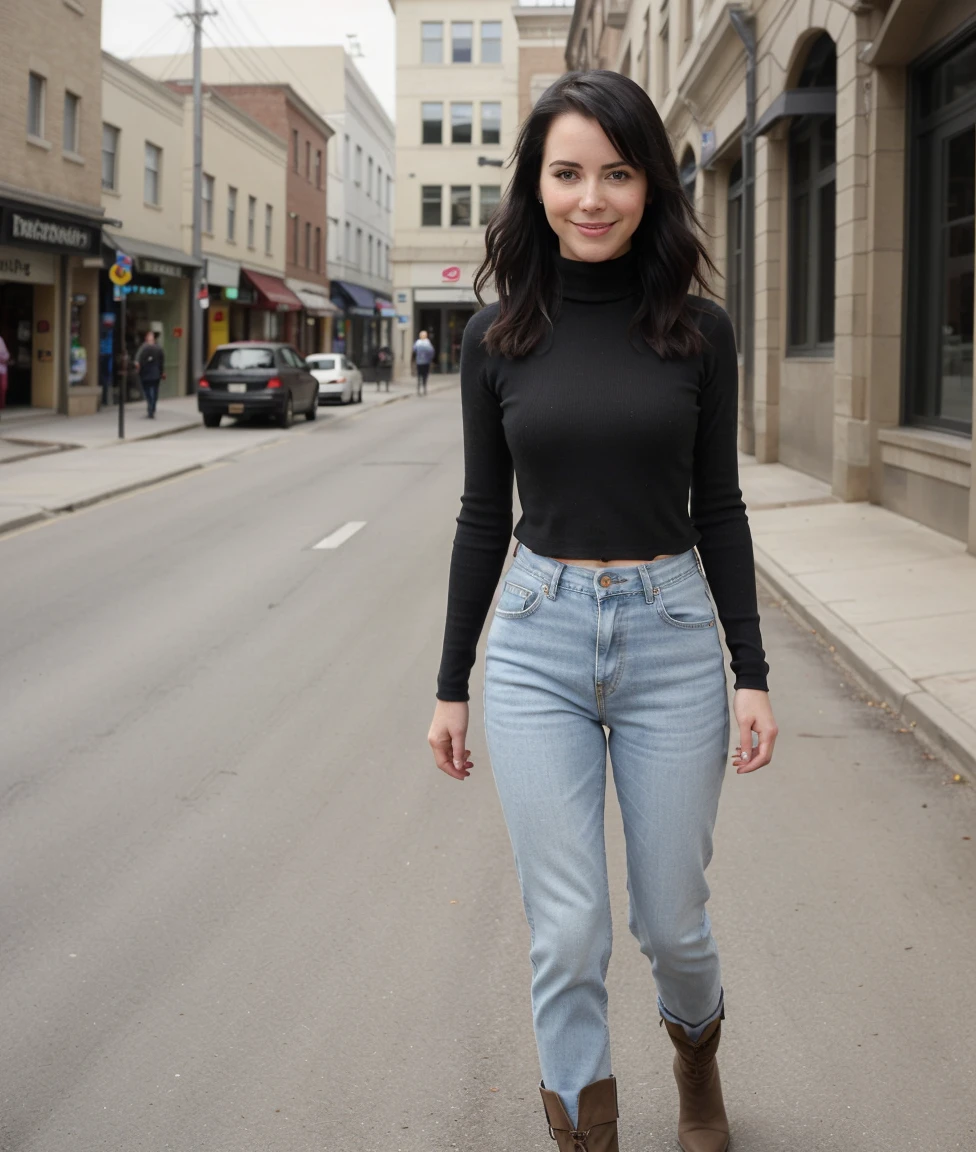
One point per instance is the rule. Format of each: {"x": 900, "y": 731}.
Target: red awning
{"x": 272, "y": 292}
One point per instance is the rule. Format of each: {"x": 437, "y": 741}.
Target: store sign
{"x": 159, "y": 268}
{"x": 45, "y": 232}
{"x": 451, "y": 275}
{"x": 26, "y": 267}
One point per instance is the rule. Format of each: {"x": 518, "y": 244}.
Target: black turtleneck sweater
{"x": 606, "y": 440}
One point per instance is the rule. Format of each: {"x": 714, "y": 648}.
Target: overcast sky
{"x": 151, "y": 28}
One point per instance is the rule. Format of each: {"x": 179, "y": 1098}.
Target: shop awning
{"x": 354, "y": 298}
{"x": 385, "y": 308}
{"x": 154, "y": 259}
{"x": 222, "y": 273}
{"x": 315, "y": 300}
{"x": 273, "y": 292}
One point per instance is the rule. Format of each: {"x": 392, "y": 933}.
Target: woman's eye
{"x": 623, "y": 176}
{"x": 568, "y": 172}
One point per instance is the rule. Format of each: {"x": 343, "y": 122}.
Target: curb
{"x": 940, "y": 727}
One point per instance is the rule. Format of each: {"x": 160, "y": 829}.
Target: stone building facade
{"x": 849, "y": 276}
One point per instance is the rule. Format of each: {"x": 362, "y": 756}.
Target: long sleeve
{"x": 717, "y": 508}
{"x": 484, "y": 525}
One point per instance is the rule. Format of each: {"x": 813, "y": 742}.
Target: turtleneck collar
{"x": 599, "y": 280}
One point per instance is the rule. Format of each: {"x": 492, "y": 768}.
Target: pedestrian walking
{"x": 151, "y": 363}
{"x": 4, "y": 368}
{"x": 611, "y": 394}
{"x": 423, "y": 354}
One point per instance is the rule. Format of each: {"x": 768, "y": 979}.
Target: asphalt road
{"x": 240, "y": 910}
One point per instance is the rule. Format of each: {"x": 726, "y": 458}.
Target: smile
{"x": 595, "y": 229}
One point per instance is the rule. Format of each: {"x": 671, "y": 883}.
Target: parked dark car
{"x": 254, "y": 378}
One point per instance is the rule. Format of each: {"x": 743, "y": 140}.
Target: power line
{"x": 286, "y": 76}
{"x": 151, "y": 39}
{"x": 254, "y": 62}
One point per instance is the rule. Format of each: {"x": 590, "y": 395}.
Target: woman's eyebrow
{"x": 603, "y": 167}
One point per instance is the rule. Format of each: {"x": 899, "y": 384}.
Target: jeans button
{"x": 605, "y": 581}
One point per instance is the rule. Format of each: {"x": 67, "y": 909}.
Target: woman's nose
{"x": 591, "y": 197}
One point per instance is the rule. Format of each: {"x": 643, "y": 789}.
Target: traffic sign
{"x": 120, "y": 275}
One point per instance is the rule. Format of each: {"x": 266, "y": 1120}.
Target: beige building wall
{"x": 424, "y": 257}
{"x": 58, "y": 41}
{"x": 836, "y": 415}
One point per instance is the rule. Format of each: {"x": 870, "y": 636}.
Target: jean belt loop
{"x": 647, "y": 582}
{"x": 557, "y": 571}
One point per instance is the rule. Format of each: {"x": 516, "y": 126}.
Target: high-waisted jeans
{"x": 573, "y": 651}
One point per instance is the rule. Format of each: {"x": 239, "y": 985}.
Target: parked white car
{"x": 339, "y": 379}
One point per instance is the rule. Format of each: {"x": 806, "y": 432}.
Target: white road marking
{"x": 341, "y": 535}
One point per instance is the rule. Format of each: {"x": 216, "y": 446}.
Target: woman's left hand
{"x": 753, "y": 714}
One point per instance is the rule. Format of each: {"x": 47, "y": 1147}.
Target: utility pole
{"x": 196, "y": 17}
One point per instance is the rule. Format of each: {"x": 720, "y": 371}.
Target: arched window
{"x": 812, "y": 154}
{"x": 688, "y": 173}
{"x": 733, "y": 249}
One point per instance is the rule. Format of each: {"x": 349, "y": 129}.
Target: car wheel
{"x": 287, "y": 417}
{"x": 313, "y": 411}
{"x": 211, "y": 419}
{"x": 359, "y": 395}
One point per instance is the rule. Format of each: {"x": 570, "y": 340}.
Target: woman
{"x": 611, "y": 393}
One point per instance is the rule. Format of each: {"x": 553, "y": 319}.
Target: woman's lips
{"x": 594, "y": 229}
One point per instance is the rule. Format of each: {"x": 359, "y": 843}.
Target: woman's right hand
{"x": 448, "y": 731}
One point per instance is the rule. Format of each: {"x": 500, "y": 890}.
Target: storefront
{"x": 276, "y": 310}
{"x": 49, "y": 306}
{"x": 315, "y": 328}
{"x": 365, "y": 323}
{"x": 437, "y": 300}
{"x": 157, "y": 300}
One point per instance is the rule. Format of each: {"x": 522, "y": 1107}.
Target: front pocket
{"x": 516, "y": 602}
{"x": 685, "y": 604}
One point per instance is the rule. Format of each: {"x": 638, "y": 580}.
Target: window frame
{"x": 252, "y": 221}
{"x": 455, "y": 41}
{"x": 426, "y": 201}
{"x": 455, "y": 124}
{"x": 114, "y": 186}
{"x": 483, "y": 40}
{"x": 268, "y": 229}
{"x": 438, "y": 40}
{"x": 734, "y": 248}
{"x": 483, "y": 218}
{"x": 926, "y": 190}
{"x": 460, "y": 188}
{"x": 491, "y": 104}
{"x": 73, "y": 101}
{"x": 806, "y": 130}
{"x": 424, "y": 122}
{"x": 231, "y": 214}
{"x": 36, "y": 103}
{"x": 156, "y": 172}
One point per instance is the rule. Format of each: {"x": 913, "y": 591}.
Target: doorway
{"x": 16, "y": 328}
{"x": 444, "y": 325}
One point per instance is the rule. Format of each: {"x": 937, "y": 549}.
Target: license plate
{"x": 235, "y": 409}
{"x": 236, "y": 387}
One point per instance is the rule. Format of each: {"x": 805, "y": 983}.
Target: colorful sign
{"x": 452, "y": 274}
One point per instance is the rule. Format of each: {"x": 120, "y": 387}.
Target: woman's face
{"x": 593, "y": 199}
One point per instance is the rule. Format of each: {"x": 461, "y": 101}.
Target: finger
{"x": 460, "y": 753}
{"x": 744, "y": 750}
{"x": 444, "y": 759}
{"x": 762, "y": 755}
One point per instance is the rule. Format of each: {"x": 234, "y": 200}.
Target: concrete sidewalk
{"x": 51, "y": 465}
{"x": 894, "y": 599}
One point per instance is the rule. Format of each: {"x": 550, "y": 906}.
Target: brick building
{"x": 50, "y": 202}
{"x": 307, "y": 135}
{"x": 848, "y": 261}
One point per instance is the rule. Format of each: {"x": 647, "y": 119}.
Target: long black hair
{"x": 520, "y": 244}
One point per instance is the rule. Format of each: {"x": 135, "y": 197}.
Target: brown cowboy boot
{"x": 596, "y": 1118}
{"x": 702, "y": 1123}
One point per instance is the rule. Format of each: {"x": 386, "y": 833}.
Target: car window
{"x": 291, "y": 358}
{"x": 323, "y": 363}
{"x": 241, "y": 359}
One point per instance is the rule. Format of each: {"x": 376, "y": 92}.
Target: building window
{"x": 308, "y": 244}
{"x": 942, "y": 196}
{"x": 688, "y": 174}
{"x": 154, "y": 164}
{"x": 110, "y": 158}
{"x": 491, "y": 42}
{"x": 664, "y": 71}
{"x": 369, "y": 177}
{"x": 359, "y": 248}
{"x": 488, "y": 199}
{"x": 308, "y": 160}
{"x": 318, "y": 168}
{"x": 359, "y": 166}
{"x": 369, "y": 244}
{"x": 347, "y": 249}
{"x": 345, "y": 158}
{"x": 36, "y": 89}
{"x": 72, "y": 124}
{"x": 294, "y": 148}
{"x": 389, "y": 193}
{"x": 207, "y": 223}
{"x": 461, "y": 118}
{"x": 461, "y": 206}
{"x": 461, "y": 34}
{"x": 252, "y": 219}
{"x": 231, "y": 213}
{"x": 432, "y": 118}
{"x": 268, "y": 228}
{"x": 432, "y": 42}
{"x": 689, "y": 20}
{"x": 430, "y": 212}
{"x": 379, "y": 185}
{"x": 318, "y": 249}
{"x": 733, "y": 249}
{"x": 491, "y": 123}
{"x": 812, "y": 153}
{"x": 295, "y": 233}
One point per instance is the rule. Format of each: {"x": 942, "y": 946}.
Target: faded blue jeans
{"x": 573, "y": 651}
